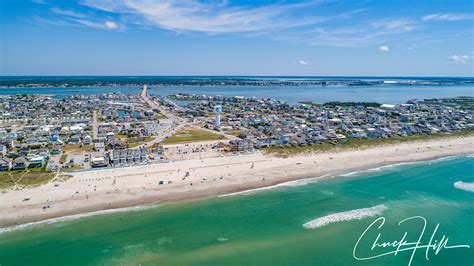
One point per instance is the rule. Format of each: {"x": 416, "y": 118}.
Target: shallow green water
{"x": 266, "y": 227}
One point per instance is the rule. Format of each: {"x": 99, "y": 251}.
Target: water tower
{"x": 218, "y": 111}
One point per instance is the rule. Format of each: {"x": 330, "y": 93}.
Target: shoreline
{"x": 154, "y": 205}
{"x": 110, "y": 190}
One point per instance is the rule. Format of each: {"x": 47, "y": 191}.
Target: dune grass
{"x": 25, "y": 178}
{"x": 358, "y": 143}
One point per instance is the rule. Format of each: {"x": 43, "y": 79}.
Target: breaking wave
{"x": 294, "y": 183}
{"x": 395, "y": 165}
{"x": 464, "y": 186}
{"x": 75, "y": 217}
{"x": 356, "y": 214}
{"x": 306, "y": 181}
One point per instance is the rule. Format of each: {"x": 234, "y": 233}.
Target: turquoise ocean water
{"x": 266, "y": 227}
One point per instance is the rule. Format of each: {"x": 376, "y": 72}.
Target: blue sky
{"x": 219, "y": 37}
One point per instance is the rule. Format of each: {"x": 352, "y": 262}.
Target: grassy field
{"x": 27, "y": 178}
{"x": 293, "y": 150}
{"x": 234, "y": 133}
{"x": 357, "y": 144}
{"x": 191, "y": 135}
{"x": 134, "y": 142}
{"x": 63, "y": 159}
{"x": 74, "y": 168}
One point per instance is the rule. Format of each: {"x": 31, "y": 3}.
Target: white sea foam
{"x": 75, "y": 217}
{"x": 356, "y": 214}
{"x": 378, "y": 169}
{"x": 294, "y": 183}
{"x": 385, "y": 167}
{"x": 464, "y": 186}
{"x": 444, "y": 159}
{"x": 327, "y": 192}
{"x": 305, "y": 181}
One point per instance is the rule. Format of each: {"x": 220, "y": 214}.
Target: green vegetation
{"x": 63, "y": 159}
{"x": 141, "y": 139}
{"x": 286, "y": 151}
{"x": 74, "y": 168}
{"x": 191, "y": 135}
{"x": 462, "y": 101}
{"x": 26, "y": 178}
{"x": 134, "y": 142}
{"x": 62, "y": 177}
{"x": 347, "y": 144}
{"x": 8, "y": 179}
{"x": 234, "y": 133}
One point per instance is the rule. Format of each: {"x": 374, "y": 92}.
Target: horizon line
{"x": 274, "y": 76}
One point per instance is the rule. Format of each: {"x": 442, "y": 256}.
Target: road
{"x": 144, "y": 93}
{"x": 154, "y": 105}
{"x": 177, "y": 122}
{"x": 95, "y": 125}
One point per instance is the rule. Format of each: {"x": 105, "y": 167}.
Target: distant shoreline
{"x": 220, "y": 81}
{"x": 230, "y": 76}
{"x": 194, "y": 179}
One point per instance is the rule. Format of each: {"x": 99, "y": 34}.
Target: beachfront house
{"x": 20, "y": 163}
{"x": 87, "y": 140}
{"x": 242, "y": 145}
{"x": 99, "y": 146}
{"x": 3, "y": 150}
{"x": 5, "y": 164}
{"x": 56, "y": 150}
{"x": 99, "y": 162}
{"x": 74, "y": 139}
{"x": 37, "y": 162}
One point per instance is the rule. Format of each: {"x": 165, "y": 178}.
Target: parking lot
{"x": 74, "y": 161}
{"x": 191, "y": 151}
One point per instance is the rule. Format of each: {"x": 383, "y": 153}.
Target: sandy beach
{"x": 181, "y": 180}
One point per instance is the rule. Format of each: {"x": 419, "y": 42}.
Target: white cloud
{"x": 412, "y": 46}
{"x": 460, "y": 59}
{"x": 447, "y": 17}
{"x": 362, "y": 34}
{"x": 111, "y": 25}
{"x": 384, "y": 48}
{"x": 52, "y": 22}
{"x": 68, "y": 13}
{"x": 107, "y": 25}
{"x": 282, "y": 20}
{"x": 83, "y": 20}
{"x": 302, "y": 62}
{"x": 395, "y": 25}
{"x": 212, "y": 17}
